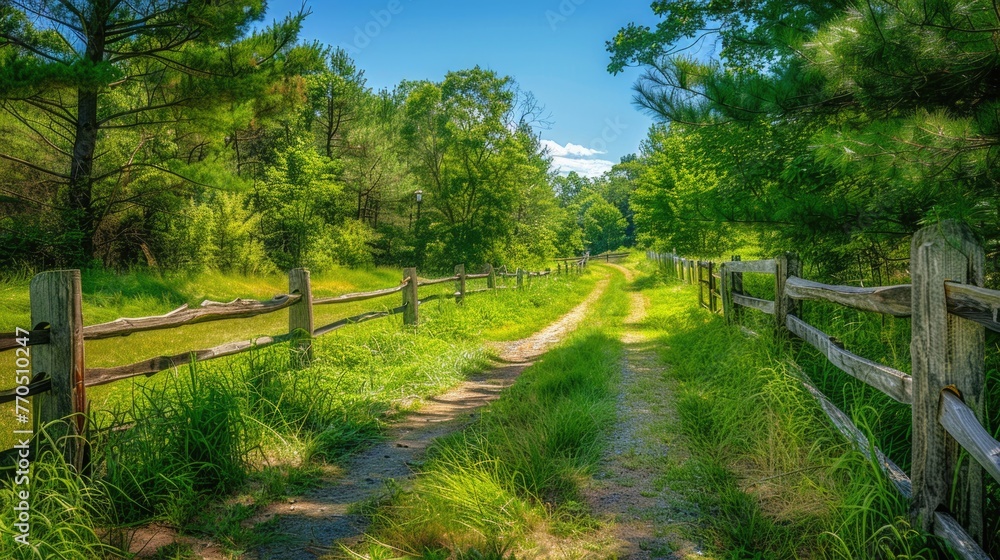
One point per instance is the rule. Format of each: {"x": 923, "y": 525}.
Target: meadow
{"x": 240, "y": 432}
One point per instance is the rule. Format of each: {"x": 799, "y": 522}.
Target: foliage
{"x": 120, "y": 112}
{"x": 480, "y": 168}
{"x": 127, "y": 145}
{"x": 842, "y": 127}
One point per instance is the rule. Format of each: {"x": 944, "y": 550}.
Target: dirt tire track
{"x": 316, "y": 520}
{"x": 642, "y": 514}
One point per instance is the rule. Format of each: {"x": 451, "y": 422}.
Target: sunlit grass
{"x": 783, "y": 482}
{"x": 483, "y": 491}
{"x": 242, "y": 431}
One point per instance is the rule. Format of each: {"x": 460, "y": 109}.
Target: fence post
{"x": 520, "y": 278}
{"x": 411, "y": 301}
{"x": 300, "y": 315}
{"x": 947, "y": 353}
{"x": 460, "y": 272}
{"x": 491, "y": 280}
{"x": 786, "y": 265}
{"x": 701, "y": 287}
{"x": 725, "y": 289}
{"x": 737, "y": 288}
{"x": 713, "y": 303}
{"x": 56, "y": 300}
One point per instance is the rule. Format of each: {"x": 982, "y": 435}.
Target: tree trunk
{"x": 82, "y": 215}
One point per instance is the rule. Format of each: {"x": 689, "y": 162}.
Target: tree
{"x": 838, "y": 126}
{"x": 76, "y": 73}
{"x": 476, "y": 161}
{"x": 603, "y": 225}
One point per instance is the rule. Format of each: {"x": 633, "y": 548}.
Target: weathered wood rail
{"x": 59, "y": 376}
{"x": 948, "y": 309}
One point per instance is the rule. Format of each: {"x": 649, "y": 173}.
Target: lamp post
{"x": 418, "y": 249}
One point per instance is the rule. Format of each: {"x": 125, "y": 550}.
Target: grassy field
{"x": 107, "y": 297}
{"x": 211, "y": 444}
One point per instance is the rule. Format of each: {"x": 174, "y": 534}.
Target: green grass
{"x": 488, "y": 492}
{"x": 240, "y": 432}
{"x": 781, "y": 483}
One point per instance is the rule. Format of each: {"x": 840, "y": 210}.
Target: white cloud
{"x": 569, "y": 150}
{"x": 585, "y": 167}
{"x": 574, "y": 157}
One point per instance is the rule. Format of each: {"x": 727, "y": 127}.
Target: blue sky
{"x": 553, "y": 48}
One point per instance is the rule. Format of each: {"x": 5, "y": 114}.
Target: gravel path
{"x": 315, "y": 521}
{"x": 644, "y": 516}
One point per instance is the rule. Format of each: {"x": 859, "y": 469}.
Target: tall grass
{"x": 65, "y": 510}
{"x": 203, "y": 448}
{"x": 783, "y": 482}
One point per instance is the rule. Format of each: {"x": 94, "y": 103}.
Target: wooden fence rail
{"x": 59, "y": 377}
{"x": 948, "y": 309}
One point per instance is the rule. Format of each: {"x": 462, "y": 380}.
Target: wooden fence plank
{"x": 360, "y": 318}
{"x": 491, "y": 277}
{"x": 209, "y": 311}
{"x": 891, "y": 300}
{"x": 726, "y": 287}
{"x": 961, "y": 542}
{"x": 767, "y": 306}
{"x": 437, "y": 281}
{"x": 102, "y": 376}
{"x": 892, "y": 382}
{"x": 10, "y": 341}
{"x": 460, "y": 283}
{"x": 765, "y": 266}
{"x": 974, "y": 303}
{"x": 786, "y": 265}
{"x": 846, "y": 426}
{"x": 359, "y": 296}
{"x": 946, "y": 351}
{"x": 37, "y": 386}
{"x": 959, "y": 421}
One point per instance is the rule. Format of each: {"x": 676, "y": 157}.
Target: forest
{"x": 834, "y": 129}
{"x": 209, "y": 139}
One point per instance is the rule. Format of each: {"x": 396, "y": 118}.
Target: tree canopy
{"x": 843, "y": 127}
{"x": 190, "y": 134}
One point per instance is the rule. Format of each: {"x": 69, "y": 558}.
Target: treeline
{"x": 185, "y": 135}
{"x": 835, "y": 129}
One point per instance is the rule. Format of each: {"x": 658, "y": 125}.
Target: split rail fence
{"x": 54, "y": 347}
{"x": 949, "y": 310}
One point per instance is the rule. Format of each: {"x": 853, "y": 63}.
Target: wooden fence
{"x": 55, "y": 346}
{"x": 578, "y": 263}
{"x": 948, "y": 309}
